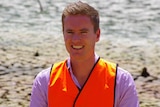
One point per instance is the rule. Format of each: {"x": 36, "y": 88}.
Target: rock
{"x": 144, "y": 72}
{"x": 36, "y": 54}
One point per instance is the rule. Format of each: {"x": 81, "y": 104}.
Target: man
{"x": 84, "y": 79}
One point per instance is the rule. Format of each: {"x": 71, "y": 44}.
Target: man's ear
{"x": 98, "y": 32}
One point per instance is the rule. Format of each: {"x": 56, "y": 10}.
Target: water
{"x": 130, "y": 21}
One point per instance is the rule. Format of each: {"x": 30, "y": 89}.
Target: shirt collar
{"x": 69, "y": 63}
{"x": 71, "y": 72}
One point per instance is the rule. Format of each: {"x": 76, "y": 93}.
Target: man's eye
{"x": 84, "y": 32}
{"x": 69, "y": 32}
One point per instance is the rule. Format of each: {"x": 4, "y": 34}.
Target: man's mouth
{"x": 77, "y": 47}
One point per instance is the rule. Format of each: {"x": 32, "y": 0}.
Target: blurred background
{"x": 121, "y": 20}
{"x": 31, "y": 40}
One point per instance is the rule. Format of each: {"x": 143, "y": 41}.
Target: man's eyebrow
{"x": 69, "y": 30}
{"x": 84, "y": 29}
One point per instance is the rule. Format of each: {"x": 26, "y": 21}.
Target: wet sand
{"x": 20, "y": 64}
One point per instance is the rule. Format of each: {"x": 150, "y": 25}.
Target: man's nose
{"x": 76, "y": 37}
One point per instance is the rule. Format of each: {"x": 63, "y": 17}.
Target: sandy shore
{"x": 20, "y": 64}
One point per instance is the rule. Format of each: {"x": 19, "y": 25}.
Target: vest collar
{"x": 71, "y": 72}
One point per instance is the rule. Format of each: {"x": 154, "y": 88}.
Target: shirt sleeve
{"x": 39, "y": 94}
{"x": 126, "y": 94}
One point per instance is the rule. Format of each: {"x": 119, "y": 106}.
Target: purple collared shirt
{"x": 125, "y": 95}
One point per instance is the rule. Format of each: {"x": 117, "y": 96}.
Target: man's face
{"x": 79, "y": 36}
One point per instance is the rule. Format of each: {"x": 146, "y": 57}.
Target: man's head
{"x": 80, "y": 30}
{"x": 80, "y": 8}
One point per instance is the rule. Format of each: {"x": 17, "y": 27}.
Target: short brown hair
{"x": 82, "y": 9}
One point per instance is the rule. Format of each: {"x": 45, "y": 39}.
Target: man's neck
{"x": 81, "y": 69}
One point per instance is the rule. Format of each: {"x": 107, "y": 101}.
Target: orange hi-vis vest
{"x": 97, "y": 91}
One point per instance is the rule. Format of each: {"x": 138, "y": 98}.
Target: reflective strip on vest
{"x": 98, "y": 91}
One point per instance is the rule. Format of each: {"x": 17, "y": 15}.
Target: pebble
{"x": 2, "y": 68}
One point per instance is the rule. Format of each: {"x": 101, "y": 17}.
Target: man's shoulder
{"x": 124, "y": 76}
{"x": 44, "y": 74}
{"x": 123, "y": 72}
{"x": 109, "y": 62}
